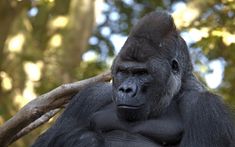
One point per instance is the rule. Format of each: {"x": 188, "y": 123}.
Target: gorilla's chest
{"x": 118, "y": 138}
{"x": 148, "y": 133}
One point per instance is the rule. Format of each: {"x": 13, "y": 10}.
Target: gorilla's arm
{"x": 73, "y": 124}
{"x": 168, "y": 128}
{"x": 165, "y": 129}
{"x": 206, "y": 120}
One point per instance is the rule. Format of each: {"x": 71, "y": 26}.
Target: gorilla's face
{"x": 145, "y": 80}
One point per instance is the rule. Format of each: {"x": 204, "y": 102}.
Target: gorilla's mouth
{"x": 124, "y": 106}
{"x": 131, "y": 113}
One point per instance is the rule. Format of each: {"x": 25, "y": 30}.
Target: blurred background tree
{"x": 44, "y": 43}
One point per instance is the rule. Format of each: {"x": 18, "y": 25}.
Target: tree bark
{"x": 81, "y": 23}
{"x": 40, "y": 121}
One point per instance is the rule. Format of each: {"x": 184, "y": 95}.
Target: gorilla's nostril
{"x": 128, "y": 90}
{"x": 121, "y": 89}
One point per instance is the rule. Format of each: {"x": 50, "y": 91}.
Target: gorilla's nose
{"x": 128, "y": 89}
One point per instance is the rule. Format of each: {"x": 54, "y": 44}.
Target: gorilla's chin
{"x": 131, "y": 113}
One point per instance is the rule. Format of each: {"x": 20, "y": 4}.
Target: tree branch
{"x": 41, "y": 105}
{"x": 40, "y": 121}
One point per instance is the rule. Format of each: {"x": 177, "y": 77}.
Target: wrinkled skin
{"x": 153, "y": 101}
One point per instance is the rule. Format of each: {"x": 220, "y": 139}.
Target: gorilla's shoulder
{"x": 96, "y": 93}
{"x": 101, "y": 87}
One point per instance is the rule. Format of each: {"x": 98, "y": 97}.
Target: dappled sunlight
{"x": 59, "y": 22}
{"x": 33, "y": 70}
{"x": 227, "y": 37}
{"x": 51, "y": 1}
{"x": 90, "y": 56}
{"x": 1, "y": 120}
{"x": 198, "y": 34}
{"x": 16, "y": 43}
{"x": 203, "y": 68}
{"x": 19, "y": 100}
{"x": 184, "y": 14}
{"x": 118, "y": 42}
{"x": 214, "y": 78}
{"x": 98, "y": 8}
{"x": 28, "y": 92}
{"x": 224, "y": 1}
{"x": 6, "y": 81}
{"x": 56, "y": 40}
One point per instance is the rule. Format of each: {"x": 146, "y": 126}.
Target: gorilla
{"x": 154, "y": 99}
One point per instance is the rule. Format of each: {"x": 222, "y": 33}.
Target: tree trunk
{"x": 81, "y": 22}
{"x": 8, "y": 12}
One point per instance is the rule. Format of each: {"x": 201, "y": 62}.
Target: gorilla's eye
{"x": 175, "y": 65}
{"x": 140, "y": 72}
{"x": 122, "y": 71}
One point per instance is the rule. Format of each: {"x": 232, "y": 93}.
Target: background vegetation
{"x": 44, "y": 43}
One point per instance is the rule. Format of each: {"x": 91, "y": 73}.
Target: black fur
{"x": 154, "y": 100}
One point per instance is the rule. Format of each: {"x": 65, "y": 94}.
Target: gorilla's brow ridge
{"x": 129, "y": 66}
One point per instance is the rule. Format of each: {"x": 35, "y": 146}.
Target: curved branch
{"x": 40, "y": 121}
{"x": 42, "y": 104}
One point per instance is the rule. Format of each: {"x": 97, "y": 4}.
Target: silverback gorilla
{"x": 153, "y": 101}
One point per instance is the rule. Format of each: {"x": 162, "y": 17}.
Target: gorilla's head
{"x": 149, "y": 70}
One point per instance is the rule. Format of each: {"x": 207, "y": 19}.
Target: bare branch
{"x": 42, "y": 104}
{"x": 40, "y": 121}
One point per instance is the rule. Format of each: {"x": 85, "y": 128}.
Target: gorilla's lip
{"x": 124, "y": 106}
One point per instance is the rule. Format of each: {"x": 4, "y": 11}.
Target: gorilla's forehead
{"x": 139, "y": 49}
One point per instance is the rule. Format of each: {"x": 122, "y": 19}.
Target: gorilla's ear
{"x": 154, "y": 26}
{"x": 175, "y": 66}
